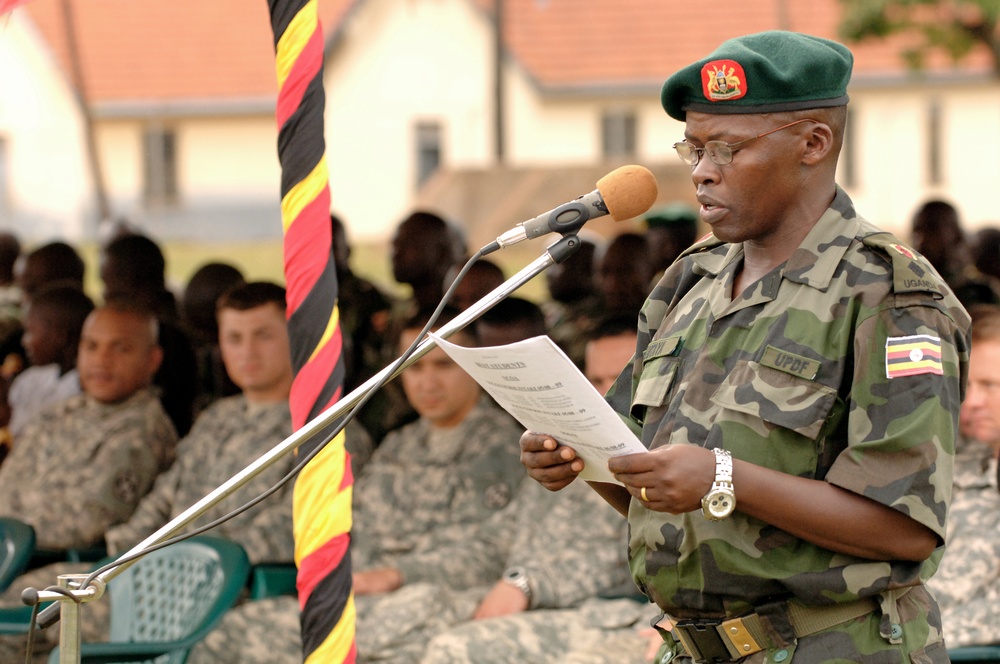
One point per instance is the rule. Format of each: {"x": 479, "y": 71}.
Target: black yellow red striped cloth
{"x": 322, "y": 501}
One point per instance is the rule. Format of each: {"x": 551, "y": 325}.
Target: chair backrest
{"x": 17, "y": 543}
{"x": 975, "y": 654}
{"x": 179, "y": 592}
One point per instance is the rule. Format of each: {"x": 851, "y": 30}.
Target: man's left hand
{"x": 675, "y": 477}
{"x": 502, "y": 600}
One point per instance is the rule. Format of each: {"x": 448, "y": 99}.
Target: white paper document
{"x": 539, "y": 385}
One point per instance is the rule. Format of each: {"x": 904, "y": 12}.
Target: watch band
{"x": 518, "y": 577}
{"x": 723, "y": 467}
{"x": 720, "y": 501}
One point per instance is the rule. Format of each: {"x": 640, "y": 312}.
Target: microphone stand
{"x": 69, "y": 603}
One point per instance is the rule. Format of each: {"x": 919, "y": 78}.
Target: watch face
{"x": 719, "y": 504}
{"x": 518, "y": 577}
{"x": 514, "y": 574}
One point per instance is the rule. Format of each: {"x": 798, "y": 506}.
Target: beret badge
{"x": 723, "y": 80}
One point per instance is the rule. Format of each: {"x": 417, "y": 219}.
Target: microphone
{"x": 623, "y": 193}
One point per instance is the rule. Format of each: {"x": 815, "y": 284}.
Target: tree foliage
{"x": 955, "y": 27}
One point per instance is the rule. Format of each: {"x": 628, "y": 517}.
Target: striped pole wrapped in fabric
{"x": 322, "y": 497}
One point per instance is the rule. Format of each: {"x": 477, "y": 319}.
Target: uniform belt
{"x": 729, "y": 639}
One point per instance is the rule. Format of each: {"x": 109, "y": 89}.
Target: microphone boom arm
{"x": 555, "y": 253}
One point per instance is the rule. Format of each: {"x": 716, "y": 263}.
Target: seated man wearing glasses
{"x": 797, "y": 383}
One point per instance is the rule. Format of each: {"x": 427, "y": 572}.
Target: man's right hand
{"x": 550, "y": 464}
{"x": 376, "y": 581}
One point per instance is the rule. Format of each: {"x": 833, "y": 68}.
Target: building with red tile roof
{"x": 187, "y": 88}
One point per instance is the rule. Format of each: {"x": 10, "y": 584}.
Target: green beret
{"x": 671, "y": 216}
{"x": 765, "y": 72}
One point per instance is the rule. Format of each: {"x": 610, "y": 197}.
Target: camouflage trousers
{"x": 389, "y": 626}
{"x": 427, "y": 621}
{"x": 597, "y": 632}
{"x": 259, "y": 632}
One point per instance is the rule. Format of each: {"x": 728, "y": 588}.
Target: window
{"x": 5, "y": 175}
{"x": 849, "y": 153}
{"x": 934, "y": 175}
{"x": 159, "y": 166}
{"x": 618, "y": 133}
{"x": 428, "y": 148}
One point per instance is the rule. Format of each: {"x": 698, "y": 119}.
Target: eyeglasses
{"x": 721, "y": 152}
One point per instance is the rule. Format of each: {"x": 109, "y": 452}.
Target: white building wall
{"x": 399, "y": 63}
{"x": 971, "y": 151}
{"x": 889, "y": 145}
{"x": 657, "y": 132}
{"x": 543, "y": 132}
{"x": 892, "y": 141}
{"x": 218, "y": 159}
{"x": 49, "y": 186}
{"x": 120, "y": 146}
{"x": 229, "y": 157}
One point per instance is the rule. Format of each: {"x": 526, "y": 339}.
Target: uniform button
{"x": 781, "y": 655}
{"x": 897, "y": 631}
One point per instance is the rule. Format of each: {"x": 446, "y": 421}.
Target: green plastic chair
{"x": 166, "y": 603}
{"x": 975, "y": 654}
{"x": 43, "y": 557}
{"x": 17, "y": 543}
{"x": 272, "y": 580}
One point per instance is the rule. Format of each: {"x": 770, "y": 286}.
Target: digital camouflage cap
{"x": 766, "y": 72}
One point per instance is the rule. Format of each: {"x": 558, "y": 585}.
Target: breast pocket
{"x": 777, "y": 397}
{"x": 659, "y": 369}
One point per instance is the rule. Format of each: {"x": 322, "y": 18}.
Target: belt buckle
{"x": 702, "y": 640}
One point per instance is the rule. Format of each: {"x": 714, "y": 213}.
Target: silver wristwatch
{"x": 517, "y": 577}
{"x": 720, "y": 501}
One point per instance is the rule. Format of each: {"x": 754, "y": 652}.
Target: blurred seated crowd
{"x": 118, "y": 413}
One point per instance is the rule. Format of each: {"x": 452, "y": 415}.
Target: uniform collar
{"x": 139, "y": 396}
{"x": 822, "y": 250}
{"x": 815, "y": 260}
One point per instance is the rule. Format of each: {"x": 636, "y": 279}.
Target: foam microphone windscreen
{"x": 628, "y": 191}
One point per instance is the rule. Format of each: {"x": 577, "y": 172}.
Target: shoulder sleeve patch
{"x": 910, "y": 271}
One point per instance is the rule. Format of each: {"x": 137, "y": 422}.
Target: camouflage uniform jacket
{"x": 81, "y": 466}
{"x": 793, "y": 376}
{"x": 427, "y": 487}
{"x": 571, "y": 547}
{"x": 967, "y": 583}
{"x": 224, "y": 440}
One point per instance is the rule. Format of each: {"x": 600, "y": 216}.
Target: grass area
{"x": 262, "y": 261}
{"x": 257, "y": 260}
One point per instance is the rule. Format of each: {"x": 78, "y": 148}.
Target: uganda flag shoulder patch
{"x": 913, "y": 355}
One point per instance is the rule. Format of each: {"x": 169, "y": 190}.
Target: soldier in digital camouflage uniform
{"x": 429, "y": 484}
{"x": 225, "y": 439}
{"x": 798, "y": 369}
{"x": 555, "y": 600}
{"x": 967, "y": 583}
{"x": 547, "y": 592}
{"x": 82, "y": 465}
{"x": 246, "y": 426}
{"x": 232, "y": 433}
{"x": 435, "y": 588}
